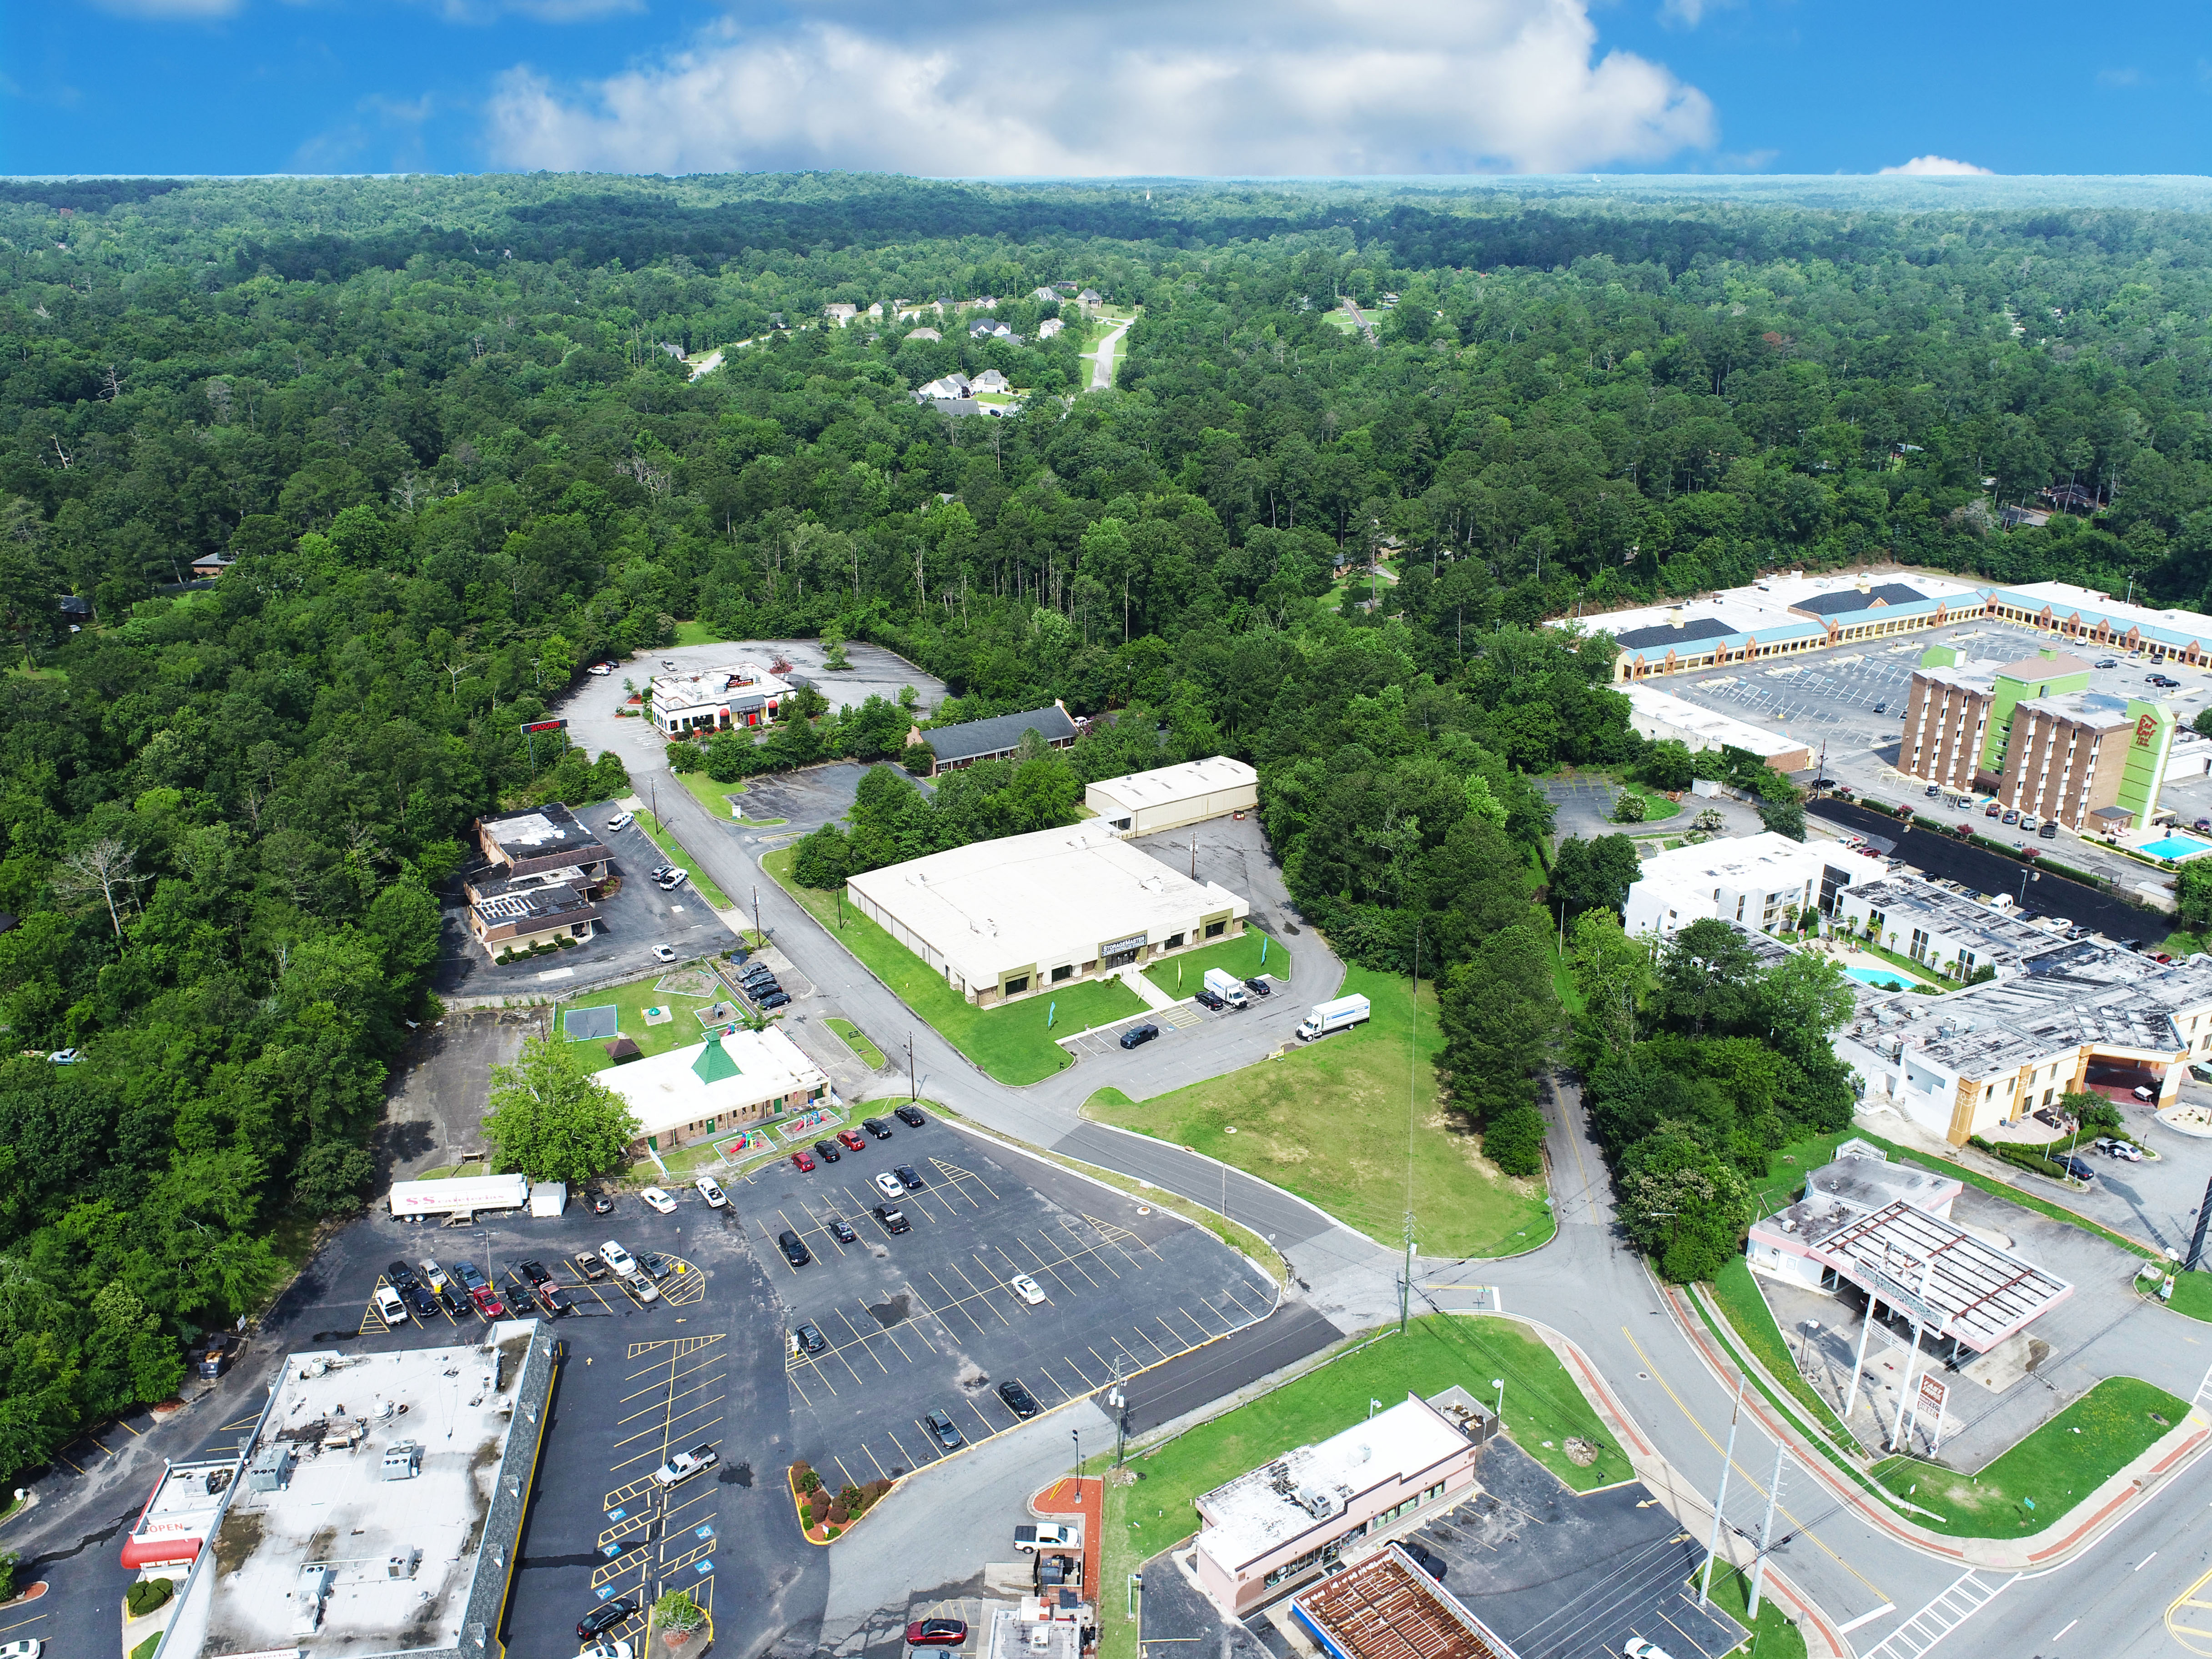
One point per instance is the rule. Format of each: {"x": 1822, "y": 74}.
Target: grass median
{"x": 1327, "y": 1121}
{"x": 2045, "y": 1473}
{"x": 857, "y": 1041}
{"x": 1017, "y": 1043}
{"x": 1543, "y": 1405}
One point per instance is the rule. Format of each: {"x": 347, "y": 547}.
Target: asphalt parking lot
{"x": 635, "y": 916}
{"x": 925, "y": 1321}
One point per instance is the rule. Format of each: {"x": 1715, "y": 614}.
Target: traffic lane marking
{"x": 1749, "y": 1478}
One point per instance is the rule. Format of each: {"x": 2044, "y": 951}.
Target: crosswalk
{"x": 1966, "y": 1596}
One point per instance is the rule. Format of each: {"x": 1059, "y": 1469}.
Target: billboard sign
{"x": 545, "y": 726}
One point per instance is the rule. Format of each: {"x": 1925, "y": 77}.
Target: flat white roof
{"x": 1650, "y": 703}
{"x": 335, "y": 1511}
{"x": 684, "y": 1086}
{"x": 1744, "y": 861}
{"x": 1048, "y": 898}
{"x": 715, "y": 686}
{"x": 1253, "y": 1514}
{"x": 1766, "y": 603}
{"x": 1166, "y": 784}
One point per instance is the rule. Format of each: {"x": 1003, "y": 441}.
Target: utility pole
{"x": 757, "y": 928}
{"x": 1713, "y": 1542}
{"x": 1119, "y": 1402}
{"x": 1193, "y": 855}
{"x": 913, "y": 1088}
{"x": 1766, "y": 1531}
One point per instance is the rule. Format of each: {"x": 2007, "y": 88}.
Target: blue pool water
{"x": 2176, "y": 847}
{"x": 1879, "y": 976}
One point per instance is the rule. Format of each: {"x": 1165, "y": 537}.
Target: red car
{"x": 488, "y": 1303}
{"x": 936, "y": 1633}
{"x": 852, "y": 1139}
{"x": 804, "y": 1160}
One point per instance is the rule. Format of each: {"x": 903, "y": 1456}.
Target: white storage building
{"x": 1027, "y": 913}
{"x": 1750, "y": 879}
{"x": 1169, "y": 796}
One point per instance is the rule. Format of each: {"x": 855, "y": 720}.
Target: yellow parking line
{"x": 880, "y": 1470}
{"x": 20, "y": 1623}
{"x": 904, "y": 1452}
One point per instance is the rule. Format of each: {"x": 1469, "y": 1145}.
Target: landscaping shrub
{"x": 1515, "y": 1141}
{"x": 146, "y": 1594}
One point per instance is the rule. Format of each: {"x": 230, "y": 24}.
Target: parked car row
{"x": 421, "y": 1290}
{"x": 758, "y": 983}
{"x": 849, "y": 1140}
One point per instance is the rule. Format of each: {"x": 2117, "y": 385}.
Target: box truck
{"x": 1335, "y": 1016}
{"x": 1230, "y": 989}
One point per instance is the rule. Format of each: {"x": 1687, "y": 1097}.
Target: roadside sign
{"x": 1929, "y": 1412}
{"x": 546, "y": 726}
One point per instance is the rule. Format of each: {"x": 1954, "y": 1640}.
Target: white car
{"x": 607, "y": 1650}
{"x": 29, "y": 1648}
{"x": 389, "y": 1307}
{"x": 716, "y": 1197}
{"x": 433, "y": 1275}
{"x": 618, "y": 1260}
{"x": 1026, "y": 1288}
{"x": 1638, "y": 1648}
{"x": 889, "y": 1185}
{"x": 659, "y": 1200}
{"x": 601, "y": 668}
{"x": 620, "y": 821}
{"x": 65, "y": 1056}
{"x": 664, "y": 953}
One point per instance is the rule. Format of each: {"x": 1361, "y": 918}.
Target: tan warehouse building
{"x": 1028, "y": 914}
{"x": 1172, "y": 797}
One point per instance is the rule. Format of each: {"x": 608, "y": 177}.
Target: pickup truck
{"x": 685, "y": 1464}
{"x": 1051, "y": 1537}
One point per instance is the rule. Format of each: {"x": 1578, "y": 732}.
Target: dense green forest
{"x": 445, "y": 430}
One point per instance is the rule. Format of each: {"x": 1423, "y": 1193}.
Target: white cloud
{"x": 170, "y": 10}
{"x": 2112, "y": 79}
{"x": 1688, "y": 14}
{"x": 540, "y": 11}
{"x": 1935, "y": 166}
{"x": 1260, "y": 87}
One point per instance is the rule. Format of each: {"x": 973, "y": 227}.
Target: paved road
{"x": 1102, "y": 368}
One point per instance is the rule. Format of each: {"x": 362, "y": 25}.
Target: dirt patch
{"x": 239, "y": 1536}
{"x": 1580, "y": 1452}
{"x": 893, "y": 1312}
{"x": 971, "y": 1377}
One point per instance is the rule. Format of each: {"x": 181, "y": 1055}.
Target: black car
{"x": 757, "y": 976}
{"x": 794, "y": 1252}
{"x": 1139, "y": 1034}
{"x": 911, "y": 1116}
{"x": 420, "y": 1301}
{"x": 2078, "y": 1168}
{"x": 841, "y": 1231}
{"x": 401, "y": 1277}
{"x": 1426, "y": 1559}
{"x": 602, "y": 1204}
{"x": 1020, "y": 1400}
{"x": 942, "y": 1430}
{"x": 2050, "y": 831}
{"x": 1205, "y": 998}
{"x": 827, "y": 1151}
{"x": 661, "y": 870}
{"x": 656, "y": 1264}
{"x": 1258, "y": 986}
{"x": 775, "y": 1000}
{"x": 451, "y": 1299}
{"x": 534, "y": 1272}
{"x": 810, "y": 1339}
{"x": 894, "y": 1221}
{"x": 604, "y": 1617}
{"x": 907, "y": 1179}
{"x": 876, "y": 1126}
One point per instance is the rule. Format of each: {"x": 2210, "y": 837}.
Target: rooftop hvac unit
{"x": 402, "y": 1564}
{"x": 402, "y": 1459}
{"x": 308, "y": 1593}
{"x": 270, "y": 1466}
{"x": 1320, "y": 1503}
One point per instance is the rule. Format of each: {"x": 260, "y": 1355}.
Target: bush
{"x": 1514, "y": 1142}
{"x": 1629, "y": 809}
{"x": 918, "y": 758}
{"x": 840, "y": 1515}
{"x": 146, "y": 1594}
{"x": 684, "y": 757}
{"x": 824, "y": 859}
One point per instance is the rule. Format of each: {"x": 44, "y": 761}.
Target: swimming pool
{"x": 1882, "y": 977}
{"x": 2176, "y": 847}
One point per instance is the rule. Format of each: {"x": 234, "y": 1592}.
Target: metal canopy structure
{"x": 1386, "y": 1608}
{"x": 1956, "y": 1284}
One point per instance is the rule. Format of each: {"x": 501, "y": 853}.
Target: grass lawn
{"x": 1327, "y": 1121}
{"x": 857, "y": 1041}
{"x": 1240, "y": 955}
{"x": 714, "y": 796}
{"x": 1013, "y": 1044}
{"x": 1541, "y": 1404}
{"x": 1656, "y": 806}
{"x": 2054, "y": 1468}
{"x": 673, "y": 850}
{"x": 696, "y": 633}
{"x": 2192, "y": 1295}
{"x": 1773, "y": 1636}
{"x": 632, "y": 1000}
{"x": 1736, "y": 1293}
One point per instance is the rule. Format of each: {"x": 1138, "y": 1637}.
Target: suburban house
{"x": 996, "y": 738}
{"x": 715, "y": 699}
{"x": 1025, "y": 914}
{"x": 944, "y": 388}
{"x": 1090, "y": 299}
{"x": 1043, "y": 295}
{"x": 209, "y": 566}
{"x": 923, "y": 334}
{"x": 990, "y": 328}
{"x": 1049, "y": 327}
{"x": 993, "y": 382}
{"x": 841, "y": 313}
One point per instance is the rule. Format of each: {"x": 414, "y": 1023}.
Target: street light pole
{"x": 913, "y": 1088}
{"x": 1728, "y": 1461}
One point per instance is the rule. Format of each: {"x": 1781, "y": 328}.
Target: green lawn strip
{"x": 673, "y": 850}
{"x": 1240, "y": 956}
{"x": 145, "y": 1649}
{"x": 1563, "y": 982}
{"x": 1776, "y": 1636}
{"x": 698, "y": 632}
{"x": 630, "y": 1001}
{"x": 2192, "y": 1295}
{"x": 1012, "y": 1043}
{"x": 1327, "y": 1121}
{"x": 1736, "y": 1294}
{"x": 709, "y": 794}
{"x": 856, "y": 1041}
{"x": 1656, "y": 806}
{"x": 2053, "y": 1467}
{"x": 1541, "y": 1404}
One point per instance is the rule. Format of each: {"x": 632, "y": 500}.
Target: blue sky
{"x": 986, "y": 87}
